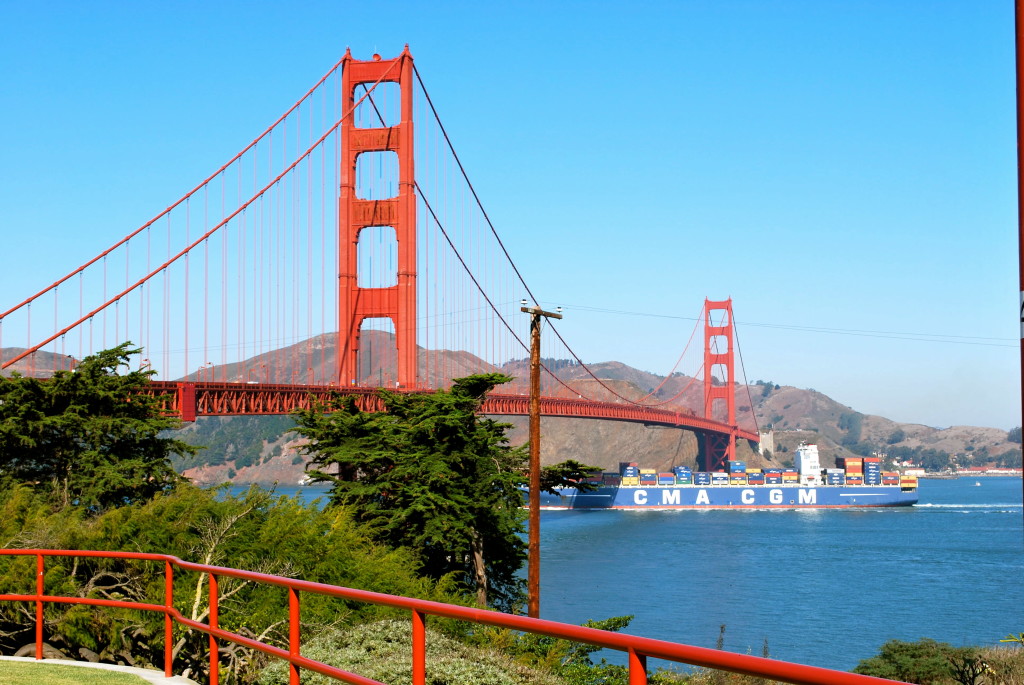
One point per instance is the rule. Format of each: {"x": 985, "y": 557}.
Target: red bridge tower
{"x": 396, "y": 302}
{"x": 719, "y": 362}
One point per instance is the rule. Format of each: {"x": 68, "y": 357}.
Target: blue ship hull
{"x": 785, "y": 496}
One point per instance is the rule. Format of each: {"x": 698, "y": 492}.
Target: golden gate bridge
{"x": 345, "y": 250}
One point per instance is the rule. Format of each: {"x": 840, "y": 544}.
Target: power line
{"x": 892, "y": 335}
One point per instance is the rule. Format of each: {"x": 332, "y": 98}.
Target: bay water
{"x": 823, "y": 587}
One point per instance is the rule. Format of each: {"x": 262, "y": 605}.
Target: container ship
{"x": 860, "y": 482}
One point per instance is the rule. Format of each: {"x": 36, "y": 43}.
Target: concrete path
{"x": 155, "y": 677}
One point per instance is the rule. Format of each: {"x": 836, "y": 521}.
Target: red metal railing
{"x": 638, "y": 649}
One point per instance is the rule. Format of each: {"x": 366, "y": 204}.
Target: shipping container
{"x": 630, "y": 480}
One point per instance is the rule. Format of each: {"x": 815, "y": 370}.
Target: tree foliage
{"x": 431, "y": 475}
{"x": 256, "y": 531}
{"x": 88, "y": 436}
{"x": 851, "y": 422}
{"x": 926, "y": 661}
{"x": 928, "y": 458}
{"x": 898, "y": 435}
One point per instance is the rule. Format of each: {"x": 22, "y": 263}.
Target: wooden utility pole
{"x": 533, "y": 572}
{"x": 1018, "y": 19}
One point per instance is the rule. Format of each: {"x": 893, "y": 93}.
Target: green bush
{"x": 925, "y": 662}
{"x": 383, "y": 651}
{"x": 255, "y": 531}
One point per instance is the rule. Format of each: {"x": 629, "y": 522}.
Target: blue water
{"x": 824, "y": 587}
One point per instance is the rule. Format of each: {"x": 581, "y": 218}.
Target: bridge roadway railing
{"x": 190, "y": 400}
{"x": 637, "y": 649}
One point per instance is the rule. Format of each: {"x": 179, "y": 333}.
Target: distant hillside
{"x": 253, "y": 454}
{"x": 259, "y": 449}
{"x": 37, "y": 365}
{"x": 807, "y": 415}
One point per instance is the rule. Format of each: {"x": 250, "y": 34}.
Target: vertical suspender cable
{"x": 188, "y": 219}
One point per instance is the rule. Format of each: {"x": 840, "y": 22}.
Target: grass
{"x": 24, "y": 673}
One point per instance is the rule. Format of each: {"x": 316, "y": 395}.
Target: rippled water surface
{"x": 824, "y": 587}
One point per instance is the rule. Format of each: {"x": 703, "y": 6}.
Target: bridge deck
{"x": 191, "y": 400}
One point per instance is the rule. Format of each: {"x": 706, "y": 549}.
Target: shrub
{"x": 383, "y": 651}
{"x": 925, "y": 662}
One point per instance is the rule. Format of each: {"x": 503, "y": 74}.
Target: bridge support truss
{"x": 719, "y": 399}
{"x": 397, "y": 302}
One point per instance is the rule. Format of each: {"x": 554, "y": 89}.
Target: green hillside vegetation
{"x": 238, "y": 440}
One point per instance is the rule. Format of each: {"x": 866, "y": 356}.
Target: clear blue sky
{"x": 833, "y": 165}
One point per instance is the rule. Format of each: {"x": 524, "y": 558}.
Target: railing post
{"x": 214, "y": 656}
{"x": 39, "y": 606}
{"x": 637, "y": 668}
{"x": 419, "y": 648}
{"x": 168, "y": 622}
{"x": 294, "y": 633}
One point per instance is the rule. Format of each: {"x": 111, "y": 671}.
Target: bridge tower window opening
{"x": 381, "y": 106}
{"x": 377, "y": 175}
{"x": 719, "y": 374}
{"x": 377, "y": 255}
{"x": 377, "y": 354}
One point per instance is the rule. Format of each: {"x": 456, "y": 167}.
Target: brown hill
{"x": 255, "y": 449}
{"x": 798, "y": 415}
{"x": 38, "y": 364}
